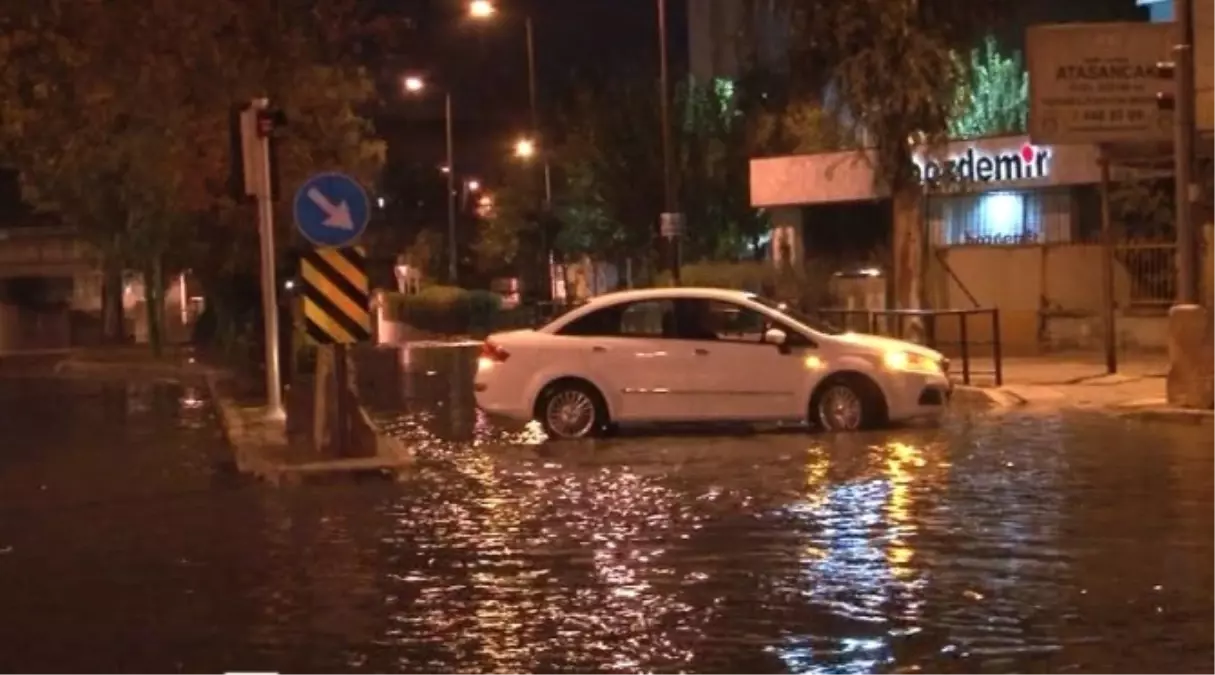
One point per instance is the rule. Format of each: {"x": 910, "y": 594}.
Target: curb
{"x": 1180, "y": 416}
{"x": 391, "y": 454}
{"x": 386, "y": 446}
{"x": 232, "y": 423}
{"x": 987, "y": 397}
{"x": 170, "y": 371}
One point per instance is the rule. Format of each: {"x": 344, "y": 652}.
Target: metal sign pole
{"x": 1107, "y": 268}
{"x": 1183, "y": 154}
{"x": 265, "y": 210}
{"x": 340, "y": 401}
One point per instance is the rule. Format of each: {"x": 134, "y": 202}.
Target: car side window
{"x": 737, "y": 324}
{"x": 648, "y": 318}
{"x": 601, "y": 323}
{"x": 729, "y": 322}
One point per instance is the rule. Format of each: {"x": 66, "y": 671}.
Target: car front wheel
{"x": 571, "y": 410}
{"x": 848, "y": 404}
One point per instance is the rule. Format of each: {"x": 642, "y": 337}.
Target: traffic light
{"x": 1166, "y": 99}
{"x": 249, "y": 125}
{"x": 268, "y": 121}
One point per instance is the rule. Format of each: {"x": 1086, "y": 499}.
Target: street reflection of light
{"x": 504, "y": 530}
{"x": 902, "y": 460}
{"x": 191, "y": 399}
{"x": 860, "y": 566}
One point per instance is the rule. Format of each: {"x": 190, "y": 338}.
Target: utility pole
{"x": 546, "y": 255}
{"x": 671, "y": 222}
{"x": 452, "y": 256}
{"x": 257, "y": 124}
{"x": 1183, "y": 153}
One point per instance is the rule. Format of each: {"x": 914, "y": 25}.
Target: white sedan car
{"x": 702, "y": 354}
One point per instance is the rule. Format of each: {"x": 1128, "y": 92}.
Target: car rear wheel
{"x": 571, "y": 410}
{"x": 848, "y": 404}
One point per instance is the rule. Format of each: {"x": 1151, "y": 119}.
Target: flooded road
{"x": 1006, "y": 542}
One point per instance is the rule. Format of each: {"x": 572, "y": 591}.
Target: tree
{"x": 609, "y": 163}
{"x": 128, "y": 139}
{"x": 888, "y": 68}
{"x": 994, "y": 99}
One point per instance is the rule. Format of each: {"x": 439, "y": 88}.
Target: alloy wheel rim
{"x": 570, "y": 414}
{"x": 841, "y": 409}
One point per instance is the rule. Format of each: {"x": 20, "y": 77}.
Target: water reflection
{"x": 977, "y": 547}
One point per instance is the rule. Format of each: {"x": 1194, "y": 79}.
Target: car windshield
{"x": 819, "y": 325}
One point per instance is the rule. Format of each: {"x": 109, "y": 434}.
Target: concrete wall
{"x": 23, "y": 329}
{"x": 1049, "y": 297}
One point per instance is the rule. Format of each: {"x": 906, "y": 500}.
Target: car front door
{"x": 738, "y": 376}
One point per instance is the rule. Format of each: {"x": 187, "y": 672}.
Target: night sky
{"x": 577, "y": 41}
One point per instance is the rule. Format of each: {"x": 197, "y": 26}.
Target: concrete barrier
{"x": 1191, "y": 358}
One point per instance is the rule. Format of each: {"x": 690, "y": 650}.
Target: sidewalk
{"x": 1080, "y": 381}
{"x": 261, "y": 443}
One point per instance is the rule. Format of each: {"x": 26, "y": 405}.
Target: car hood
{"x": 884, "y": 344}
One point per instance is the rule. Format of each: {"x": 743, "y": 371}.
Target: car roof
{"x": 690, "y": 292}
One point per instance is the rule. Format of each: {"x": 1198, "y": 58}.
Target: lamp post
{"x": 416, "y": 85}
{"x": 484, "y": 10}
{"x": 671, "y": 221}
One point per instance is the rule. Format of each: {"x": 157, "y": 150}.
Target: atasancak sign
{"x": 1097, "y": 82}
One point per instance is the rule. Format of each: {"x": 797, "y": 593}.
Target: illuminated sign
{"x": 978, "y": 166}
{"x": 1000, "y": 239}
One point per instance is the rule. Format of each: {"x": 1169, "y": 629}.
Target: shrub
{"x": 445, "y": 309}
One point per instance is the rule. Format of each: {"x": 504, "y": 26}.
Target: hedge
{"x": 445, "y": 309}
{"x": 458, "y": 311}
{"x": 451, "y": 310}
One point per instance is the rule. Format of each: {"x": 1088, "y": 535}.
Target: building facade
{"x": 1162, "y": 11}
{"x": 1005, "y": 224}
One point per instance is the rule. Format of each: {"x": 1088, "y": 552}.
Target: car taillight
{"x": 493, "y": 352}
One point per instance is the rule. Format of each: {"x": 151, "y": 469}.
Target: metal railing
{"x": 1151, "y": 269}
{"x": 932, "y": 328}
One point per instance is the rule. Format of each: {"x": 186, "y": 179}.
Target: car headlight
{"x": 911, "y": 362}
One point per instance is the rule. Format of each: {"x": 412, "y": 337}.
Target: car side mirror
{"x": 777, "y": 337}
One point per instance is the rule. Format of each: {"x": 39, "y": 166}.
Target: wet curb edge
{"x": 249, "y": 443}
{"x": 987, "y": 397}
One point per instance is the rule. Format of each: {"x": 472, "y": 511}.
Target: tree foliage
{"x": 887, "y": 68}
{"x": 609, "y": 191}
{"x": 994, "y": 99}
{"x": 117, "y": 115}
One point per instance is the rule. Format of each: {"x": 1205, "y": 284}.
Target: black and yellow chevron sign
{"x": 337, "y": 295}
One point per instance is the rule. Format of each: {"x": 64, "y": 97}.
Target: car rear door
{"x": 626, "y": 350}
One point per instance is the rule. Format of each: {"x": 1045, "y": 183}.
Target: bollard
{"x": 1189, "y": 383}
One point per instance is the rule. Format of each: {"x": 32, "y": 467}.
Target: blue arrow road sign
{"x": 331, "y": 209}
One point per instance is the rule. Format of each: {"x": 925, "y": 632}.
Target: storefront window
{"x": 1002, "y": 218}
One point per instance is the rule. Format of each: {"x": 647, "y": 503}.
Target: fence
{"x": 903, "y": 323}
{"x": 1151, "y": 269}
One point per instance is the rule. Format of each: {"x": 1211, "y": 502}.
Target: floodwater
{"x": 1013, "y": 542}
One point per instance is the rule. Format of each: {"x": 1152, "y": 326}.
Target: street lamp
{"x": 416, "y": 85}
{"x": 525, "y": 148}
{"x": 473, "y": 185}
{"x": 481, "y": 9}
{"x": 484, "y": 10}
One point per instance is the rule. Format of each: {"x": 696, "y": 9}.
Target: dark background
{"x": 577, "y": 42}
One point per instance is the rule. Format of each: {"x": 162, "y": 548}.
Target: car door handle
{"x": 598, "y": 350}
{"x": 702, "y": 352}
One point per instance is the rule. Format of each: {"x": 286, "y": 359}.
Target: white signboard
{"x": 1097, "y": 82}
